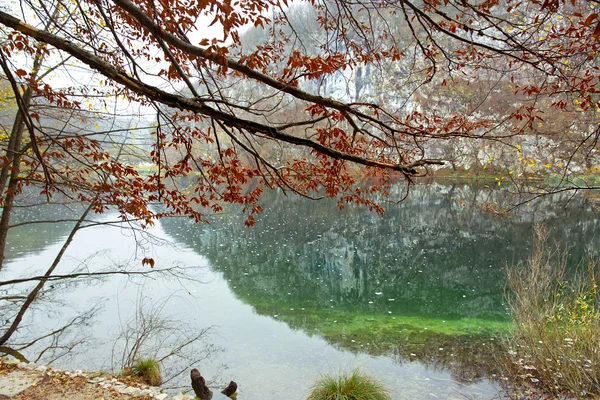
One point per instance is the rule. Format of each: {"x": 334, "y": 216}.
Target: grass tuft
{"x": 149, "y": 370}
{"x": 356, "y": 386}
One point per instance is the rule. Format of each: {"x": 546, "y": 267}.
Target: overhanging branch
{"x": 198, "y": 107}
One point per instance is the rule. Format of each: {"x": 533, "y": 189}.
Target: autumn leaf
{"x": 590, "y": 19}
{"x": 149, "y": 261}
{"x": 596, "y": 33}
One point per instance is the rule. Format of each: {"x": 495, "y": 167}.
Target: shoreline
{"x": 31, "y": 381}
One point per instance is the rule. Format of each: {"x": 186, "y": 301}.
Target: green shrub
{"x": 149, "y": 370}
{"x": 356, "y": 386}
{"x": 553, "y": 347}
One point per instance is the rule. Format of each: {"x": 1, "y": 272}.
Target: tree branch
{"x": 183, "y": 103}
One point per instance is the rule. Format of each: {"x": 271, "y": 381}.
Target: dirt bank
{"x": 20, "y": 381}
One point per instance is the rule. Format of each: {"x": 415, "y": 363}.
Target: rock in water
{"x": 230, "y": 389}
{"x": 204, "y": 393}
{"x": 199, "y": 385}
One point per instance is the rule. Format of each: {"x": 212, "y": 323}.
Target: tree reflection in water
{"x": 423, "y": 282}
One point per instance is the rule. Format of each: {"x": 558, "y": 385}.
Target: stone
{"x": 130, "y": 390}
{"x": 161, "y": 396}
{"x": 16, "y": 381}
{"x": 180, "y": 397}
{"x": 119, "y": 388}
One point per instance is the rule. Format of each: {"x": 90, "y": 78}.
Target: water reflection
{"x": 37, "y": 224}
{"x": 431, "y": 255}
{"x": 425, "y": 281}
{"x": 323, "y": 289}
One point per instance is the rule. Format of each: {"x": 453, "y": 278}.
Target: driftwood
{"x": 203, "y": 392}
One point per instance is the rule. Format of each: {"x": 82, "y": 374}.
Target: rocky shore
{"x": 30, "y": 381}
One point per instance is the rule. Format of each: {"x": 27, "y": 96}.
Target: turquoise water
{"x": 434, "y": 255}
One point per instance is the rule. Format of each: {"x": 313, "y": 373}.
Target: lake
{"x": 414, "y": 297}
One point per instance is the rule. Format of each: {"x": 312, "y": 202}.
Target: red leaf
{"x": 596, "y": 33}
{"x": 149, "y": 261}
{"x": 590, "y": 19}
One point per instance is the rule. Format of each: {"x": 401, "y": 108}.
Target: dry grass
{"x": 556, "y": 334}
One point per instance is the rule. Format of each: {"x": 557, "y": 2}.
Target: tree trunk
{"x": 14, "y": 152}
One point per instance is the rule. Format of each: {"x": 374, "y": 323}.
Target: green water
{"x": 424, "y": 281}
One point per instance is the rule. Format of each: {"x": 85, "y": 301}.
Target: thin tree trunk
{"x": 14, "y": 143}
{"x": 7, "y": 209}
{"x": 14, "y": 151}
